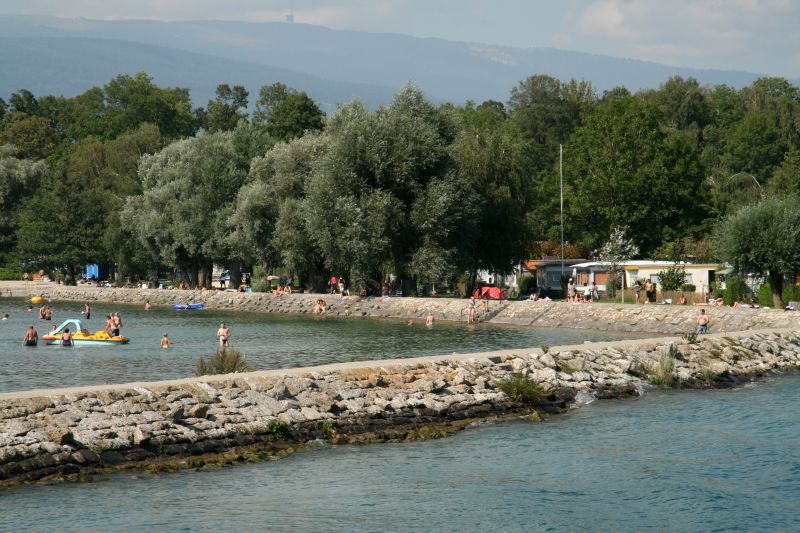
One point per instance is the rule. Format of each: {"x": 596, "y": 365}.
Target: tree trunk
{"x": 193, "y": 274}
{"x": 235, "y": 272}
{"x": 776, "y": 284}
{"x": 471, "y": 282}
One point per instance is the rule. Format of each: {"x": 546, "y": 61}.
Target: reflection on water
{"x": 682, "y": 461}
{"x": 269, "y": 341}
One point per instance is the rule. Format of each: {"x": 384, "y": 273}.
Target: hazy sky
{"x": 753, "y": 35}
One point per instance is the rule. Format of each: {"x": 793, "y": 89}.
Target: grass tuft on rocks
{"x": 521, "y": 389}
{"x": 225, "y": 361}
{"x": 664, "y": 374}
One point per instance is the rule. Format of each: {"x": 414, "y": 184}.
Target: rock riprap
{"x": 213, "y": 419}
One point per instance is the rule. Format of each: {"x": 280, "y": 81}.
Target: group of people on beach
{"x": 589, "y": 294}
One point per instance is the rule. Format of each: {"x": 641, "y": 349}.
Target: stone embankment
{"x": 660, "y": 319}
{"x": 194, "y": 422}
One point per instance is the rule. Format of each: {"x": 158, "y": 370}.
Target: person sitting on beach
{"x": 682, "y": 299}
{"x": 165, "y": 341}
{"x": 319, "y": 307}
{"x": 31, "y": 337}
{"x": 287, "y": 289}
{"x": 719, "y": 302}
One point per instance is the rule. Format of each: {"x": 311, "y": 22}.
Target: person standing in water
{"x": 117, "y": 320}
{"x": 87, "y": 311}
{"x": 147, "y": 306}
{"x": 165, "y": 341}
{"x": 224, "y": 335}
{"x": 66, "y": 338}
{"x": 429, "y": 320}
{"x": 31, "y": 337}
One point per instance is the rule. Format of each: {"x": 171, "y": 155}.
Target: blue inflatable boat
{"x": 187, "y": 307}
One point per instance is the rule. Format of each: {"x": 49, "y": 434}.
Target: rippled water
{"x": 269, "y": 341}
{"x": 681, "y": 461}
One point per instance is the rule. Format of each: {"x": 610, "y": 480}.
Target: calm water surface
{"x": 269, "y": 341}
{"x": 686, "y": 461}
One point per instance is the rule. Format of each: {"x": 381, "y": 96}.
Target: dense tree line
{"x": 131, "y": 174}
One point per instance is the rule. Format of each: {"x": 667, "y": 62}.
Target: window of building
{"x": 601, "y": 278}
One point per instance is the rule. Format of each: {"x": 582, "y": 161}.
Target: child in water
{"x": 165, "y": 341}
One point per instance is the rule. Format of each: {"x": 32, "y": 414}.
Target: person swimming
{"x": 165, "y": 341}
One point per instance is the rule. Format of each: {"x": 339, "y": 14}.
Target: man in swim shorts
{"x": 31, "y": 337}
{"x": 702, "y": 322}
{"x": 224, "y": 335}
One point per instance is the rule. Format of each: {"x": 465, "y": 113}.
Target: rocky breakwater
{"x": 666, "y": 319}
{"x": 662, "y": 319}
{"x": 191, "y": 423}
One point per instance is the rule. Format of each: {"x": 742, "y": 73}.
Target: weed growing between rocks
{"x": 225, "y": 361}
{"x": 690, "y": 336}
{"x": 663, "y": 376}
{"x": 277, "y": 430}
{"x": 521, "y": 389}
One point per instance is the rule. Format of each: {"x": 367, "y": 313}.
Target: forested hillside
{"x": 133, "y": 174}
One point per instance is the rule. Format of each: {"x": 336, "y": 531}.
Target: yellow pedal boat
{"x": 82, "y": 336}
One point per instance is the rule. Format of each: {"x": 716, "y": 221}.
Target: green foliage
{"x": 663, "y": 375}
{"x": 527, "y": 284}
{"x": 688, "y": 287}
{"x": 690, "y": 336}
{"x": 226, "y": 361}
{"x": 672, "y": 278}
{"x": 764, "y": 237}
{"x": 277, "y": 431}
{"x": 735, "y": 290}
{"x": 791, "y": 293}
{"x": 521, "y": 389}
{"x": 765, "y": 295}
{"x": 10, "y": 274}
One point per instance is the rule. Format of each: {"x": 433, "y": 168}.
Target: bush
{"x": 791, "y": 293}
{"x": 735, "y": 290}
{"x": 10, "y": 274}
{"x": 521, "y": 389}
{"x": 688, "y": 287}
{"x": 527, "y": 284}
{"x": 765, "y": 295}
{"x": 223, "y": 362}
{"x": 663, "y": 376}
{"x": 672, "y": 278}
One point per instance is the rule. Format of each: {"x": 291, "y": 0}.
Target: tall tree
{"x": 229, "y": 107}
{"x": 286, "y": 113}
{"x": 763, "y": 238}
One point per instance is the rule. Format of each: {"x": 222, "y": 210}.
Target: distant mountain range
{"x": 51, "y": 55}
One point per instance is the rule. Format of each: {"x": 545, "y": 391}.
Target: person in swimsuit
{"x": 31, "y": 337}
{"x": 87, "y": 311}
{"x": 165, "y": 341}
{"x": 115, "y": 318}
{"x": 66, "y": 338}
{"x": 109, "y": 326}
{"x": 702, "y": 322}
{"x": 429, "y": 320}
{"x": 147, "y": 306}
{"x": 224, "y": 334}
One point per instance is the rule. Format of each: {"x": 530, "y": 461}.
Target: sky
{"x": 752, "y": 35}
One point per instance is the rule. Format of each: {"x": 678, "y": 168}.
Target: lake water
{"x": 680, "y": 461}
{"x": 269, "y": 341}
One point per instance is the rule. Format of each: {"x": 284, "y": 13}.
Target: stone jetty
{"x": 216, "y": 420}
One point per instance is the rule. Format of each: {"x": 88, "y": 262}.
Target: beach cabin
{"x": 548, "y": 273}
{"x": 698, "y": 274}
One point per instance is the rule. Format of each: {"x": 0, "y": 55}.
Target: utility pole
{"x": 561, "y": 178}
